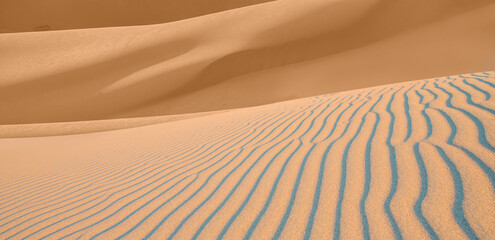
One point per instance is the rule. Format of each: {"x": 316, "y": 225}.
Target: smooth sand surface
{"x": 279, "y": 50}
{"x": 69, "y": 128}
{"x": 32, "y": 15}
{"x": 411, "y": 160}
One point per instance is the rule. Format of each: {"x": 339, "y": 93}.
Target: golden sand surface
{"x": 279, "y": 50}
{"x": 410, "y": 160}
{"x": 247, "y": 119}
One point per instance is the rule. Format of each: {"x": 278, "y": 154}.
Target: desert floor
{"x": 317, "y": 119}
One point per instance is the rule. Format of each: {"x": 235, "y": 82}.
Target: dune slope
{"x": 410, "y": 160}
{"x": 29, "y": 15}
{"x": 279, "y": 50}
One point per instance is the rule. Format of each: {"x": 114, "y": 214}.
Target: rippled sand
{"x": 252, "y": 119}
{"x": 412, "y": 160}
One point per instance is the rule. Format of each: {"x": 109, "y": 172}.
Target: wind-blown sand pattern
{"x": 247, "y": 119}
{"x": 412, "y": 160}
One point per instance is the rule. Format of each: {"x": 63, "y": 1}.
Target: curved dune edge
{"x": 70, "y": 128}
{"x": 279, "y": 50}
{"x": 28, "y": 15}
{"x": 412, "y": 160}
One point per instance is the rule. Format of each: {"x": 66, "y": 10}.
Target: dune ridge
{"x": 28, "y": 15}
{"x": 410, "y": 160}
{"x": 70, "y": 128}
{"x": 281, "y": 50}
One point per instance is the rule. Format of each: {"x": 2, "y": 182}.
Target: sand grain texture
{"x": 411, "y": 160}
{"x": 247, "y": 119}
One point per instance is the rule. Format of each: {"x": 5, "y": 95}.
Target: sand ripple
{"x": 413, "y": 160}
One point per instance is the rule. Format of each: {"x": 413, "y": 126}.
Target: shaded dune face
{"x": 29, "y": 15}
{"x": 212, "y": 62}
{"x": 411, "y": 160}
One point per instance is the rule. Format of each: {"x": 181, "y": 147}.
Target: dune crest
{"x": 71, "y": 128}
{"x": 212, "y": 62}
{"x": 247, "y": 119}
{"x": 29, "y": 15}
{"x": 410, "y": 160}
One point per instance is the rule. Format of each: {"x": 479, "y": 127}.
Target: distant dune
{"x": 46, "y": 15}
{"x": 279, "y": 50}
{"x": 411, "y": 160}
{"x": 247, "y": 119}
{"x": 69, "y": 128}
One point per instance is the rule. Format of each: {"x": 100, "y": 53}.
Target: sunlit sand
{"x": 286, "y": 119}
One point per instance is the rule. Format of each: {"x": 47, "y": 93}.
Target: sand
{"x": 411, "y": 160}
{"x": 318, "y": 119}
{"x": 281, "y": 50}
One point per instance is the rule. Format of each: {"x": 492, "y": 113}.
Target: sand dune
{"x": 29, "y": 15}
{"x": 279, "y": 49}
{"x": 410, "y": 160}
{"x": 252, "y": 119}
{"x": 70, "y": 128}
